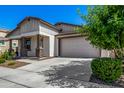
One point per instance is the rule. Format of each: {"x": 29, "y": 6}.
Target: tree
{"x": 105, "y": 27}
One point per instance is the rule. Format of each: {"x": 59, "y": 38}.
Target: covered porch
{"x": 34, "y": 46}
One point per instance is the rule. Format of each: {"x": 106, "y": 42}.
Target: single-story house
{"x": 38, "y": 38}
{"x": 4, "y": 42}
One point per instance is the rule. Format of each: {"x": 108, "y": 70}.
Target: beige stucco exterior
{"x": 46, "y": 46}
{"x": 5, "y": 47}
{"x": 3, "y": 34}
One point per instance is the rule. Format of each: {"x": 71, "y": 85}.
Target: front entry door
{"x": 27, "y": 46}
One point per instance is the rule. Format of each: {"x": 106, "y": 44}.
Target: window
{"x": 14, "y": 44}
{"x": 2, "y": 43}
{"x": 28, "y": 44}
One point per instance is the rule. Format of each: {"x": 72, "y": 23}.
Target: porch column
{"x": 19, "y": 47}
{"x": 22, "y": 46}
{"x": 10, "y": 46}
{"x": 39, "y": 50}
{"x": 51, "y": 46}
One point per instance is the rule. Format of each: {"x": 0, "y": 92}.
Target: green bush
{"x": 107, "y": 69}
{"x": 5, "y": 55}
{"x": 2, "y": 60}
{"x": 8, "y": 56}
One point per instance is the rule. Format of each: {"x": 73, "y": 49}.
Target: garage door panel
{"x": 77, "y": 47}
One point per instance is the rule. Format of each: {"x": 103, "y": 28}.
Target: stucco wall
{"x": 47, "y": 30}
{"x": 2, "y": 34}
{"x": 56, "y": 47}
{"x": 52, "y": 45}
{"x": 66, "y": 28}
{"x": 5, "y": 47}
{"x": 46, "y": 46}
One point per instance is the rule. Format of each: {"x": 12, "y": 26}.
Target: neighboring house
{"x": 39, "y": 38}
{"x": 4, "y": 42}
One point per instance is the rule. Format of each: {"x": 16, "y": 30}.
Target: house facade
{"x": 38, "y": 38}
{"x": 4, "y": 42}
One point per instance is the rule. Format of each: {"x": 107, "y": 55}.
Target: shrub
{"x": 5, "y": 55}
{"x": 107, "y": 69}
{"x": 8, "y": 56}
{"x": 2, "y": 60}
{"x": 11, "y": 63}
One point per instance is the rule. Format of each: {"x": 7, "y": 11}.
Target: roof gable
{"x": 4, "y": 31}
{"x": 26, "y": 19}
{"x": 38, "y": 19}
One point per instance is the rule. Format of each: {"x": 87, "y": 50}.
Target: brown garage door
{"x": 77, "y": 47}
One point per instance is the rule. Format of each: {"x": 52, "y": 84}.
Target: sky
{"x": 11, "y": 15}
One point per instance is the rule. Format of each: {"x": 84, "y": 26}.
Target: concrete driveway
{"x": 49, "y": 73}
